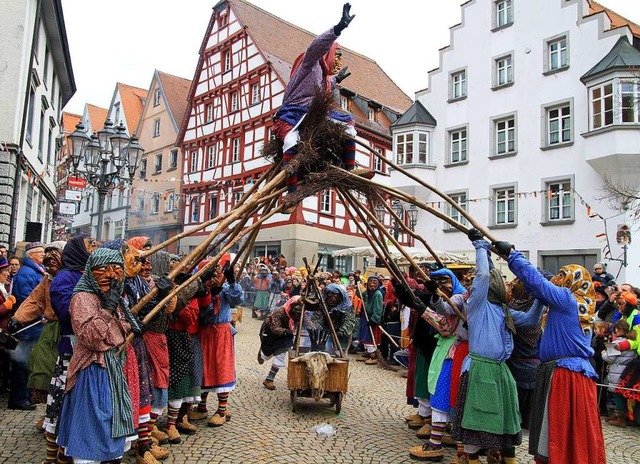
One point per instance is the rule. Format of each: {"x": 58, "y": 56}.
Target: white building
{"x": 520, "y": 123}
{"x": 36, "y": 81}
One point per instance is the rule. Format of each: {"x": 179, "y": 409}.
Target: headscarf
{"x": 345, "y": 304}
{"x": 160, "y": 263}
{"x": 100, "y": 257}
{"x": 139, "y": 242}
{"x": 455, "y": 283}
{"x": 497, "y": 295}
{"x": 287, "y": 310}
{"x": 113, "y": 244}
{"x": 327, "y": 62}
{"x": 74, "y": 254}
{"x": 578, "y": 280}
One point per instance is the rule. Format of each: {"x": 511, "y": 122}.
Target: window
{"x": 156, "y": 128}
{"x": 458, "y": 85}
{"x": 143, "y": 169}
{"x": 208, "y": 109}
{"x": 559, "y": 125}
{"x": 423, "y": 148}
{"x": 156, "y": 97}
{"x": 118, "y": 230}
{"x": 41, "y": 146}
{"x": 504, "y": 13}
{"x": 504, "y": 136}
{"x": 157, "y": 167}
{"x": 193, "y": 165}
{"x": 235, "y": 150}
{"x": 255, "y": 93}
{"x": 371, "y": 114}
{"x": 378, "y": 163}
{"x": 87, "y": 203}
{"x": 559, "y": 201}
{"x": 458, "y": 146}
{"x": 173, "y": 158}
{"x": 325, "y": 201}
{"x": 170, "y": 201}
{"x": 121, "y": 197}
{"x": 504, "y": 206}
{"x": 404, "y": 148}
{"x": 155, "y": 203}
{"x": 45, "y": 71}
{"x": 140, "y": 204}
{"x": 211, "y": 157}
{"x": 30, "y": 112}
{"x": 226, "y": 60}
{"x": 630, "y": 92}
{"x": 344, "y": 103}
{"x": 461, "y": 199}
{"x": 558, "y": 54}
{"x": 195, "y": 209}
{"x": 117, "y": 114}
{"x": 602, "y": 106}
{"x": 213, "y": 207}
{"x": 236, "y": 197}
{"x": 503, "y": 71}
{"x": 234, "y": 101}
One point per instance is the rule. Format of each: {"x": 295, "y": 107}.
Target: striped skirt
{"x": 56, "y": 392}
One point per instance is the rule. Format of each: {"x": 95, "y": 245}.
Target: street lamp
{"x": 105, "y": 154}
{"x": 399, "y": 209}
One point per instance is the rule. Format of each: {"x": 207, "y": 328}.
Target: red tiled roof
{"x": 176, "y": 90}
{"x": 274, "y": 36}
{"x": 615, "y": 19}
{"x": 132, "y": 103}
{"x": 69, "y": 122}
{"x": 97, "y": 116}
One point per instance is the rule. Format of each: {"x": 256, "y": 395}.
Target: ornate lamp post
{"x": 105, "y": 155}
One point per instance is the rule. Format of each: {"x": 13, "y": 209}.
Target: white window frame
{"x": 235, "y": 101}
{"x": 458, "y": 84}
{"x": 503, "y": 71}
{"x": 143, "y": 169}
{"x": 558, "y": 202}
{"x": 461, "y": 197}
{"x": 156, "y": 128}
{"x": 634, "y": 105}
{"x": 155, "y": 204}
{"x": 193, "y": 161}
{"x": 157, "y": 163}
{"x": 378, "y": 163}
{"x": 235, "y": 150}
{"x": 211, "y": 156}
{"x": 344, "y": 102}
{"x": 325, "y": 201}
{"x": 227, "y": 60}
{"x": 169, "y": 203}
{"x": 156, "y": 98}
{"x": 558, "y": 124}
{"x": 208, "y": 110}
{"x": 458, "y": 145}
{"x": 255, "y": 93}
{"x": 558, "y": 53}
{"x": 413, "y": 147}
{"x": 141, "y": 204}
{"x": 213, "y": 200}
{"x": 602, "y": 117}
{"x": 507, "y": 126}
{"x": 371, "y": 114}
{"x": 504, "y": 202}
{"x": 194, "y": 207}
{"x": 173, "y": 158}
{"x": 503, "y": 13}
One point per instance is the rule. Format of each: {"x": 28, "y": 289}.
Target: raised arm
{"x": 530, "y": 318}
{"x": 480, "y": 286}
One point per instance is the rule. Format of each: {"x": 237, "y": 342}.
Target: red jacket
{"x": 187, "y": 319}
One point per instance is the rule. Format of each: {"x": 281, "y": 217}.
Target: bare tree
{"x": 621, "y": 197}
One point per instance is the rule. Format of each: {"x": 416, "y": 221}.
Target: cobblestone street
{"x": 370, "y": 428}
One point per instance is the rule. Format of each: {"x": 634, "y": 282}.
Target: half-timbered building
{"x": 243, "y": 69}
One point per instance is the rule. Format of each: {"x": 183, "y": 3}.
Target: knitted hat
{"x": 630, "y": 298}
{"x": 3, "y": 263}
{"x": 31, "y": 245}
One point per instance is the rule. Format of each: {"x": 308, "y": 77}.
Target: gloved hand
{"x": 431, "y": 286}
{"x": 288, "y": 333}
{"x": 342, "y": 74}
{"x": 10, "y": 301}
{"x": 164, "y": 286}
{"x": 230, "y": 275}
{"x": 13, "y": 326}
{"x": 503, "y": 248}
{"x": 215, "y": 290}
{"x": 140, "y": 329}
{"x": 345, "y": 20}
{"x": 111, "y": 299}
{"x": 475, "y": 234}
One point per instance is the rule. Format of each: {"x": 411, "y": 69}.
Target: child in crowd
{"x": 600, "y": 337}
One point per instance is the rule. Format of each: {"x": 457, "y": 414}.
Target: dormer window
{"x": 371, "y": 114}
{"x": 156, "y": 97}
{"x": 344, "y": 102}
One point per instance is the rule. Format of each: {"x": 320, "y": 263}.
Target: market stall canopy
{"x": 417, "y": 254}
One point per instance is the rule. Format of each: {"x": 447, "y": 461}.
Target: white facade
{"x": 35, "y": 83}
{"x": 502, "y": 95}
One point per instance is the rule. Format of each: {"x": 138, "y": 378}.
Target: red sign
{"x": 78, "y": 182}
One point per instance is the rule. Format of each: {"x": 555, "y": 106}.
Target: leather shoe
{"x": 23, "y": 407}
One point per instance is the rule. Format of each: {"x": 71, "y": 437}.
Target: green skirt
{"x": 44, "y": 355}
{"x": 492, "y": 400}
{"x": 437, "y": 360}
{"x": 262, "y": 300}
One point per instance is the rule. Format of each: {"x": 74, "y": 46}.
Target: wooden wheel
{"x": 338, "y": 400}
{"x": 294, "y": 399}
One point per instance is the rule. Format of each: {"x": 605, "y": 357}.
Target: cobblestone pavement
{"x": 370, "y": 428}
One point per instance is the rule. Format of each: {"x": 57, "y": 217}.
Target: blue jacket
{"x": 61, "y": 292}
{"x": 28, "y": 278}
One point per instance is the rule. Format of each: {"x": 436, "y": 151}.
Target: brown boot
{"x": 425, "y": 430}
{"x": 412, "y": 417}
{"x": 217, "y": 420}
{"x": 40, "y": 424}
{"x": 268, "y": 384}
{"x": 174, "y": 435}
{"x": 427, "y": 453}
{"x": 144, "y": 455}
{"x": 371, "y": 361}
{"x": 196, "y": 415}
{"x": 620, "y": 420}
{"x": 417, "y": 424}
{"x": 159, "y": 452}
{"x": 185, "y": 427}
{"x": 159, "y": 435}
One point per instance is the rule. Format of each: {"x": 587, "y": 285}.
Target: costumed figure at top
{"x": 566, "y": 425}
{"x": 319, "y": 67}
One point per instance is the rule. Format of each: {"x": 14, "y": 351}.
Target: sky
{"x": 126, "y": 40}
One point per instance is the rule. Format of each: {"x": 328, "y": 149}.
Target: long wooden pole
{"x": 435, "y": 190}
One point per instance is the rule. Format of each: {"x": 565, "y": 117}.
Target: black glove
{"x": 373, "y": 324}
{"x": 431, "y": 286}
{"x": 345, "y": 20}
{"x": 164, "y": 286}
{"x": 475, "y": 234}
{"x": 420, "y": 308}
{"x": 503, "y": 248}
{"x": 215, "y": 290}
{"x": 139, "y": 329}
{"x": 13, "y": 326}
{"x": 288, "y": 333}
{"x": 342, "y": 74}
{"x": 111, "y": 299}
{"x": 230, "y": 275}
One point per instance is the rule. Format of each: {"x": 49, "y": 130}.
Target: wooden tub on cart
{"x": 335, "y": 385}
